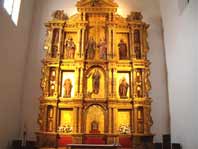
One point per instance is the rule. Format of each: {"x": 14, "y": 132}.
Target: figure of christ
{"x": 68, "y": 87}
{"x": 123, "y": 88}
{"x": 122, "y": 49}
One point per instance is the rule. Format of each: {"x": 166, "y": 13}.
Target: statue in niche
{"x": 69, "y": 49}
{"x": 90, "y": 48}
{"x": 137, "y": 36}
{"x": 54, "y": 51}
{"x": 102, "y": 45}
{"x": 94, "y": 127}
{"x": 139, "y": 75}
{"x": 68, "y": 87}
{"x": 122, "y": 49}
{"x": 56, "y": 37}
{"x": 139, "y": 91}
{"x": 52, "y": 82}
{"x": 96, "y": 82}
{"x": 55, "y": 43}
{"x": 138, "y": 52}
{"x": 123, "y": 88}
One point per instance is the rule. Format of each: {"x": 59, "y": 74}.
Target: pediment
{"x": 96, "y": 3}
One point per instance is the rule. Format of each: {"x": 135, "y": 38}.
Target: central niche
{"x": 95, "y": 83}
{"x": 95, "y": 119}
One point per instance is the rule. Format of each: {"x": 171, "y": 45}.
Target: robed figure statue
{"x": 90, "y": 48}
{"x": 96, "y": 82}
{"x": 123, "y": 88}
{"x": 122, "y": 49}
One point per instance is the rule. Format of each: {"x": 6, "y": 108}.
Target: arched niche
{"x": 95, "y": 83}
{"x": 95, "y": 117}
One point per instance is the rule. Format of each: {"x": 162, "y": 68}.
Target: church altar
{"x": 95, "y": 78}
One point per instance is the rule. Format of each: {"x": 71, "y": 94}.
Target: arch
{"x": 95, "y": 82}
{"x": 95, "y": 113}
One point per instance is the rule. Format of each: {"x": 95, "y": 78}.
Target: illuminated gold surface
{"x": 95, "y": 113}
{"x": 101, "y": 101}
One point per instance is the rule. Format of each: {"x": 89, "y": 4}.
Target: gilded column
{"x": 132, "y": 121}
{"x": 76, "y": 82}
{"x": 109, "y": 42}
{"x": 135, "y": 120}
{"x": 82, "y": 43}
{"x": 81, "y": 82}
{"x": 110, "y": 120}
{"x": 130, "y": 43}
{"x": 59, "y": 43}
{"x": 110, "y": 83}
{"x": 78, "y": 50}
{"x": 115, "y": 112}
{"x": 75, "y": 120}
{"x": 115, "y": 93}
{"x": 80, "y": 120}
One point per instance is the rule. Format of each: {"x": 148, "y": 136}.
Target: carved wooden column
{"x": 81, "y": 82}
{"x": 109, "y": 43}
{"x": 115, "y": 93}
{"x": 83, "y": 52}
{"x": 80, "y": 120}
{"x": 78, "y": 46}
{"x": 135, "y": 120}
{"x": 110, "y": 120}
{"x": 115, "y": 112}
{"x": 59, "y": 43}
{"x": 75, "y": 119}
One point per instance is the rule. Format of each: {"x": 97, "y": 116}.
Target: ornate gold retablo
{"x": 95, "y": 81}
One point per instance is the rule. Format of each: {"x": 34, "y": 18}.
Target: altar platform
{"x": 93, "y": 146}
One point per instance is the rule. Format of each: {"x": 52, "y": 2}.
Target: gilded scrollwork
{"x": 147, "y": 81}
{"x": 44, "y": 80}
{"x": 95, "y": 59}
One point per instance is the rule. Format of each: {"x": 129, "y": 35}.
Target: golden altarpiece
{"x": 95, "y": 80}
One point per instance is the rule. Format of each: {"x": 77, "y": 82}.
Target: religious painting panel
{"x": 96, "y": 83}
{"x": 124, "y": 85}
{"x": 68, "y": 84}
{"x": 124, "y": 121}
{"x": 66, "y": 121}
{"x": 70, "y": 45}
{"x": 96, "y": 44}
{"x": 95, "y": 118}
{"x": 122, "y": 44}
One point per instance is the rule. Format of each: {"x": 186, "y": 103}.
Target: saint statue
{"x": 123, "y": 88}
{"x": 96, "y": 82}
{"x": 52, "y": 82}
{"x": 68, "y": 88}
{"x": 69, "y": 50}
{"x": 90, "y": 48}
{"x": 138, "y": 53}
{"x": 102, "y": 45}
{"x": 122, "y": 49}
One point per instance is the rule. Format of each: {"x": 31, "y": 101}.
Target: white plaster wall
{"x": 151, "y": 12}
{"x": 181, "y": 36}
{"x": 13, "y": 49}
